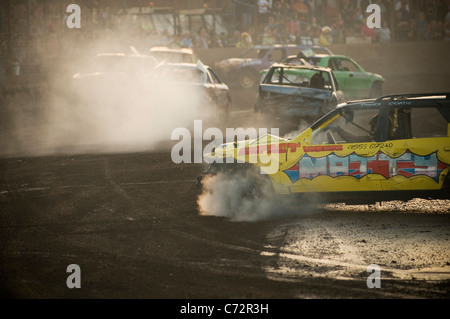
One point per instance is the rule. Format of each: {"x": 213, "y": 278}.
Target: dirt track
{"x": 131, "y": 223}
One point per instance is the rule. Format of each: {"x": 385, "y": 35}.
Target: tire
{"x": 376, "y": 90}
{"x": 247, "y": 80}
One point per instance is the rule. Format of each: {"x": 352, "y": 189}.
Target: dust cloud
{"x": 246, "y": 195}
{"x": 106, "y": 107}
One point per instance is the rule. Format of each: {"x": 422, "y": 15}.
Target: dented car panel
{"x": 388, "y": 151}
{"x": 293, "y": 92}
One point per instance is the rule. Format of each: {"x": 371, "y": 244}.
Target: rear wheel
{"x": 247, "y": 79}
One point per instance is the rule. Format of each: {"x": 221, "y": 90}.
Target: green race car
{"x": 352, "y": 79}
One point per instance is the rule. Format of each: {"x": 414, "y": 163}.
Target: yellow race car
{"x": 395, "y": 147}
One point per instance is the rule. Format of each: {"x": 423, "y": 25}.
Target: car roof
{"x": 183, "y": 65}
{"x": 416, "y": 96}
{"x": 296, "y": 66}
{"x": 291, "y": 46}
{"x": 172, "y": 50}
{"x": 120, "y": 54}
{"x": 398, "y": 98}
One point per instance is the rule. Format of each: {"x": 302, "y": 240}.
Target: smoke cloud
{"x": 95, "y": 113}
{"x": 233, "y": 195}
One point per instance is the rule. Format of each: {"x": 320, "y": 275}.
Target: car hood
{"x": 242, "y": 149}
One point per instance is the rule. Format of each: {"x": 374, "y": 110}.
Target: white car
{"x": 197, "y": 78}
{"x": 173, "y": 55}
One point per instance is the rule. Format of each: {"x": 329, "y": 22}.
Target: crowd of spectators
{"x": 335, "y": 21}
{"x": 36, "y": 30}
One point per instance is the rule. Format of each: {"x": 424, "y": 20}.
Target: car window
{"x": 214, "y": 76}
{"x": 417, "y": 122}
{"x": 428, "y": 122}
{"x": 334, "y": 64}
{"x": 320, "y": 80}
{"x": 300, "y": 77}
{"x": 349, "y": 126}
{"x": 207, "y": 77}
{"x": 347, "y": 65}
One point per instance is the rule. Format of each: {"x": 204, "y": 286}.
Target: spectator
{"x": 186, "y": 41}
{"x": 325, "y": 37}
{"x": 269, "y": 37}
{"x": 293, "y": 26}
{"x": 301, "y": 9}
{"x": 402, "y": 4}
{"x": 348, "y": 12}
{"x": 202, "y": 40}
{"x": 281, "y": 8}
{"x": 383, "y": 34}
{"x": 402, "y": 26}
{"x": 315, "y": 29}
{"x": 404, "y": 10}
{"x": 234, "y": 38}
{"x": 422, "y": 28}
{"x": 245, "y": 42}
{"x": 272, "y": 23}
{"x": 437, "y": 32}
{"x": 222, "y": 41}
{"x": 339, "y": 33}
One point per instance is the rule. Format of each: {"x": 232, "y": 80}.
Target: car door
{"x": 352, "y": 79}
{"x": 342, "y": 154}
{"x": 419, "y": 148}
{"x": 221, "y": 91}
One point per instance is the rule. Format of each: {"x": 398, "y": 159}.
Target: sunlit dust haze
{"x": 100, "y": 109}
{"x": 228, "y": 195}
